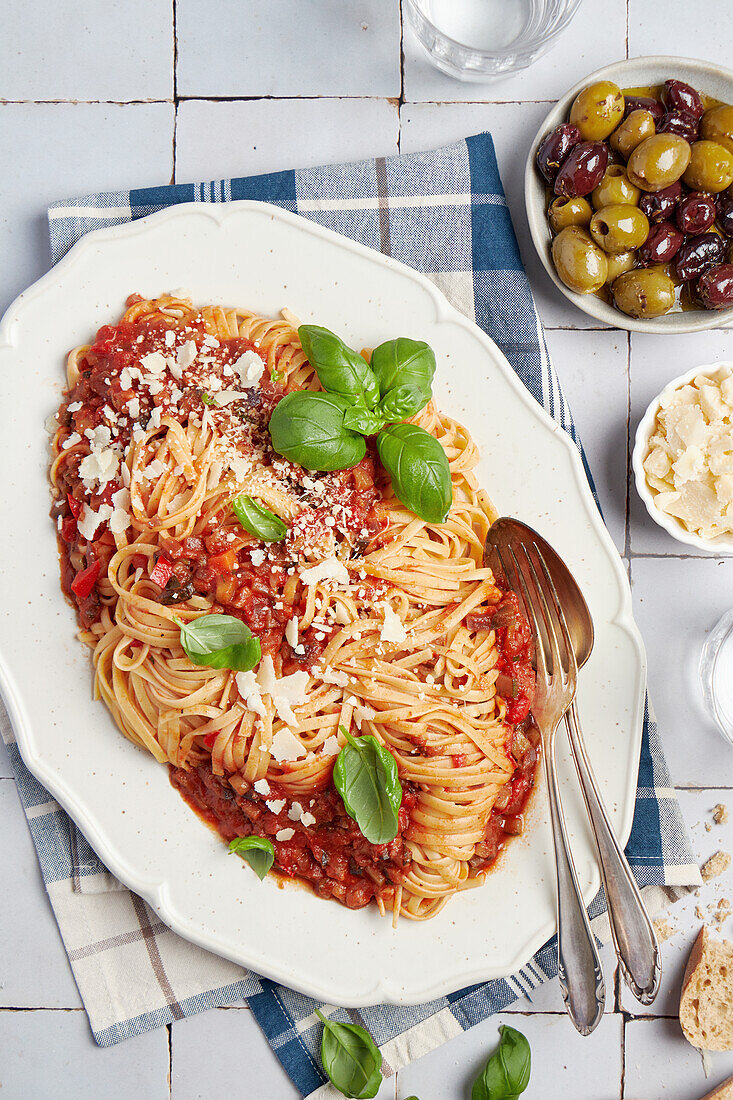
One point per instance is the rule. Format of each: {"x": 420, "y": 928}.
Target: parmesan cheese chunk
{"x": 330, "y": 569}
{"x": 262, "y": 786}
{"x": 393, "y": 629}
{"x": 331, "y": 746}
{"x": 286, "y": 746}
{"x": 250, "y": 369}
{"x": 285, "y": 834}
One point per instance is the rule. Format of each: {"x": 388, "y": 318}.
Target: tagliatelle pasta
{"x": 368, "y": 617}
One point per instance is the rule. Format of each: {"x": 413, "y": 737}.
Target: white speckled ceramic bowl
{"x": 674, "y": 526}
{"x": 639, "y": 72}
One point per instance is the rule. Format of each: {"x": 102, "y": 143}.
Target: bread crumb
{"x": 720, "y": 814}
{"x": 664, "y": 929}
{"x": 716, "y": 865}
{"x": 708, "y": 827}
{"x": 723, "y": 911}
{"x": 699, "y": 912}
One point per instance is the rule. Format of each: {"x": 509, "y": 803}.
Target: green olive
{"x": 644, "y": 292}
{"x": 717, "y": 125}
{"x": 615, "y": 187}
{"x": 658, "y": 161}
{"x": 710, "y": 167}
{"x": 619, "y": 228}
{"x": 564, "y": 212}
{"x": 632, "y": 131}
{"x": 618, "y": 262}
{"x": 579, "y": 263}
{"x": 597, "y": 110}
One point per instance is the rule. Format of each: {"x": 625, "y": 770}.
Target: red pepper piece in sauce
{"x": 162, "y": 571}
{"x": 75, "y": 506}
{"x": 83, "y": 583}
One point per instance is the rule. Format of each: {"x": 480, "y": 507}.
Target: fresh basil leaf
{"x": 404, "y": 362}
{"x": 351, "y": 1058}
{"x": 258, "y": 520}
{"x": 506, "y": 1074}
{"x": 220, "y": 641}
{"x": 365, "y": 775}
{"x": 403, "y": 401}
{"x": 360, "y": 419}
{"x": 258, "y": 852}
{"x": 308, "y": 428}
{"x": 419, "y": 469}
{"x": 207, "y": 399}
{"x": 340, "y": 369}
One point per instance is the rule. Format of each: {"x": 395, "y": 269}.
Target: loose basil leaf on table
{"x": 308, "y": 428}
{"x": 220, "y": 641}
{"x": 419, "y": 469}
{"x": 506, "y": 1074}
{"x": 351, "y": 1058}
{"x": 404, "y": 362}
{"x": 365, "y": 775}
{"x": 340, "y": 369}
{"x": 257, "y": 851}
{"x": 361, "y": 419}
{"x": 258, "y": 520}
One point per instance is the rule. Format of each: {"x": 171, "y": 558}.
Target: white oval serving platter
{"x": 264, "y": 258}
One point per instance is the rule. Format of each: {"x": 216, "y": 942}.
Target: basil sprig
{"x": 419, "y": 469}
{"x": 365, "y": 775}
{"x": 351, "y": 1058}
{"x": 324, "y": 431}
{"x": 257, "y": 851}
{"x": 308, "y": 428}
{"x": 220, "y": 641}
{"x": 340, "y": 369}
{"x": 506, "y": 1074}
{"x": 258, "y": 520}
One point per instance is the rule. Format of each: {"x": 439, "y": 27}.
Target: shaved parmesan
{"x": 285, "y": 834}
{"x": 330, "y": 569}
{"x": 286, "y": 746}
{"x": 331, "y": 746}
{"x": 250, "y": 369}
{"x": 262, "y": 786}
{"x": 393, "y": 629}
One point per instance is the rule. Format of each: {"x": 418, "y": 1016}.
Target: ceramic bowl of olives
{"x": 629, "y": 193}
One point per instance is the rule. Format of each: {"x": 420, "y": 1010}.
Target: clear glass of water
{"x": 716, "y": 675}
{"x": 482, "y": 40}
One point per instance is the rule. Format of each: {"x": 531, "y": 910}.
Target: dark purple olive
{"x": 643, "y": 103}
{"x": 554, "y": 147}
{"x": 659, "y": 205}
{"x": 695, "y": 213}
{"x": 582, "y": 170}
{"x": 662, "y": 244}
{"x": 681, "y": 123}
{"x": 679, "y": 96}
{"x": 725, "y": 214}
{"x": 715, "y": 287}
{"x": 697, "y": 255}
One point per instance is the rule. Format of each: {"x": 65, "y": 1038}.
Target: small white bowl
{"x": 724, "y": 543}
{"x": 639, "y": 72}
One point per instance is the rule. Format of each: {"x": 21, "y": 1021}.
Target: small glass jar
{"x": 716, "y": 675}
{"x": 483, "y": 40}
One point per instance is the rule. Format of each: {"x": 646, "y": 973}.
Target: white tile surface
{"x": 593, "y": 371}
{"x": 655, "y": 362}
{"x": 676, "y": 603}
{"x": 661, "y": 1064}
{"x": 582, "y": 48}
{"x": 286, "y": 47}
{"x": 52, "y": 1056}
{"x": 116, "y": 50}
{"x": 97, "y": 147}
{"x": 697, "y": 808}
{"x": 513, "y": 127}
{"x": 277, "y": 134}
{"x": 565, "y": 1066}
{"x": 675, "y": 30}
{"x": 236, "y": 1051}
{"x": 6, "y": 772}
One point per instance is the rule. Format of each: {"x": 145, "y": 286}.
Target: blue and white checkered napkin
{"x": 443, "y": 213}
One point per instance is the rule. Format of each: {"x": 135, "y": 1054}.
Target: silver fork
{"x": 579, "y": 968}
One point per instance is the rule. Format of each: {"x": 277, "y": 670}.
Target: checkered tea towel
{"x": 443, "y": 213}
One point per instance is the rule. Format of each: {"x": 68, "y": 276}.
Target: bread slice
{"x": 706, "y": 1003}
{"x": 724, "y": 1091}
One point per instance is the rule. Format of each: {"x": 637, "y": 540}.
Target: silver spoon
{"x": 632, "y": 930}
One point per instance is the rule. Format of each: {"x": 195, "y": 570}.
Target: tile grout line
{"x": 623, "y": 1057}
{"x": 175, "y": 89}
{"x": 278, "y": 99}
{"x": 401, "y": 101}
{"x": 627, "y": 526}
{"x": 169, "y": 1030}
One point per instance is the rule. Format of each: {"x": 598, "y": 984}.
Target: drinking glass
{"x": 716, "y": 675}
{"x": 482, "y": 40}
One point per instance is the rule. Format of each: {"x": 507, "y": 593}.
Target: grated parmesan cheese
{"x": 330, "y": 569}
